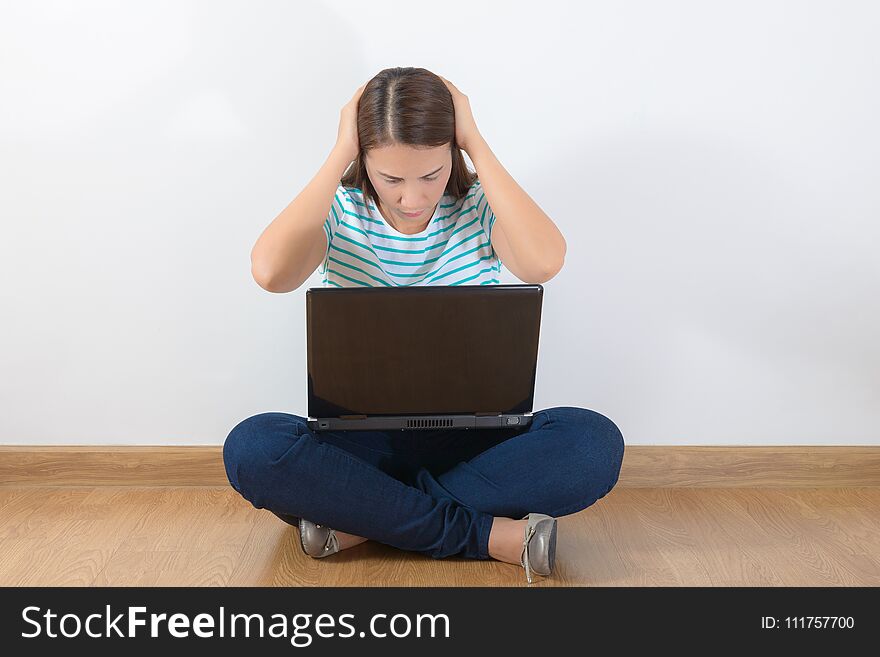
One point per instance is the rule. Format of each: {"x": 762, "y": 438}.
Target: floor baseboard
{"x": 643, "y": 466}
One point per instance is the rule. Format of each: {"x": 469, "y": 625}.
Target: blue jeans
{"x": 433, "y": 492}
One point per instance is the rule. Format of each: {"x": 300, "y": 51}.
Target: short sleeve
{"x": 334, "y": 217}
{"x": 486, "y": 216}
{"x": 484, "y": 212}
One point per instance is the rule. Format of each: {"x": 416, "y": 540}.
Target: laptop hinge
{"x": 489, "y": 413}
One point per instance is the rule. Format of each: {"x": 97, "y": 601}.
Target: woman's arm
{"x": 528, "y": 242}
{"x": 292, "y": 246}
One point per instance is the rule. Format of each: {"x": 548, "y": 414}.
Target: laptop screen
{"x": 422, "y": 350}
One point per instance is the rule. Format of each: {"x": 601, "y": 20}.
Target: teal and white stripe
{"x": 454, "y": 249}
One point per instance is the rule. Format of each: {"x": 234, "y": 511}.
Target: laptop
{"x": 422, "y": 358}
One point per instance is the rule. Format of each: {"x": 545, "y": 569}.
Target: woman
{"x": 410, "y": 212}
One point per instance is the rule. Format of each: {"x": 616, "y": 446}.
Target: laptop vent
{"x": 428, "y": 423}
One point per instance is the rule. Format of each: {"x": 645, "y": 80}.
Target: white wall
{"x": 713, "y": 167}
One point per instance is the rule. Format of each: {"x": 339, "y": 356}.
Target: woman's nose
{"x": 413, "y": 201}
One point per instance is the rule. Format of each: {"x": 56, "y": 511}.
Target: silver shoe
{"x": 316, "y": 540}
{"x": 539, "y": 545}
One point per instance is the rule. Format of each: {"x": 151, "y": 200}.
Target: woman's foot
{"x": 319, "y": 541}
{"x": 506, "y": 539}
{"x": 529, "y": 542}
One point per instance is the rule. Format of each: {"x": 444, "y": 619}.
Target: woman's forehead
{"x": 400, "y": 160}
{"x": 403, "y": 154}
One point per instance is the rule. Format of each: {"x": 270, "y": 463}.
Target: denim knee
{"x": 251, "y": 448}
{"x": 600, "y": 447}
{"x": 610, "y": 438}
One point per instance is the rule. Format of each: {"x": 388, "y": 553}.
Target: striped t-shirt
{"x": 454, "y": 249}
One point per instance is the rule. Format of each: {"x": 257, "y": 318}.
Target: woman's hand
{"x": 347, "y": 137}
{"x": 466, "y": 132}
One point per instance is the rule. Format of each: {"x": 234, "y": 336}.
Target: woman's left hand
{"x": 466, "y": 132}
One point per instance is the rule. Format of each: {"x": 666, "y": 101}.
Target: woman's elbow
{"x": 543, "y": 276}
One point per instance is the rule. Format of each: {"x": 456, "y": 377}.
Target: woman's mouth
{"x": 413, "y": 215}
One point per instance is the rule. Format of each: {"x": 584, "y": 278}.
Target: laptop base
{"x": 422, "y": 422}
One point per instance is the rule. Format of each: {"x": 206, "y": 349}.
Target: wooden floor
{"x": 210, "y": 536}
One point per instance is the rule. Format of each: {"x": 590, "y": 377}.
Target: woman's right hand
{"x": 347, "y": 138}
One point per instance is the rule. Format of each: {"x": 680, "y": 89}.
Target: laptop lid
{"x": 466, "y": 350}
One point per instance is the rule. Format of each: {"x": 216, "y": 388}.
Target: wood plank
{"x": 61, "y": 543}
{"x": 654, "y": 466}
{"x": 188, "y": 536}
{"x": 75, "y": 465}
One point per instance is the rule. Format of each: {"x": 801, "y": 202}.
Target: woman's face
{"x": 409, "y": 179}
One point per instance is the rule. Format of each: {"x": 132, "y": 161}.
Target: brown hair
{"x": 406, "y": 106}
